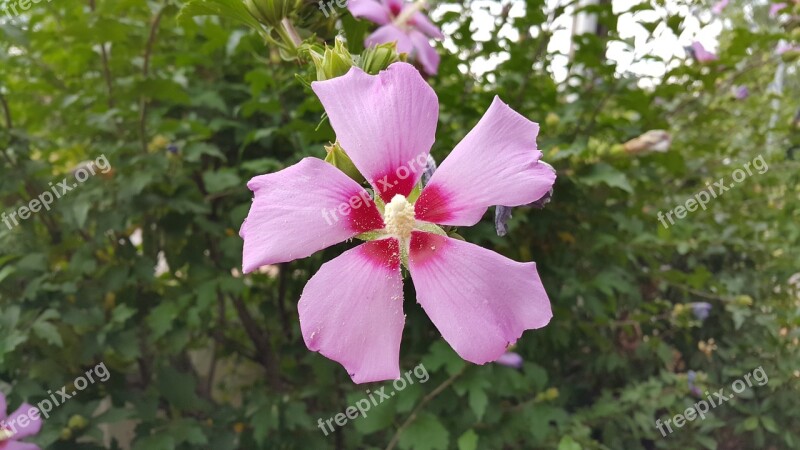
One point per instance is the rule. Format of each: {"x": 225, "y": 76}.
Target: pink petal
{"x": 351, "y": 311}
{"x": 425, "y": 53}
{"x": 480, "y": 301}
{"x": 303, "y": 209}
{"x": 3, "y": 406}
{"x": 13, "y": 423}
{"x": 387, "y": 34}
{"x": 495, "y": 164}
{"x": 14, "y": 445}
{"x": 422, "y": 23}
{"x": 371, "y": 10}
{"x": 775, "y": 8}
{"x": 386, "y": 123}
{"x": 701, "y": 54}
{"x": 720, "y": 6}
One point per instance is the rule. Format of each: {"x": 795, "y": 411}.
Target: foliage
{"x": 186, "y": 111}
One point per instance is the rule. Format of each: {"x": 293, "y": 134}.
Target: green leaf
{"x": 468, "y": 440}
{"x": 229, "y": 9}
{"x": 221, "y": 180}
{"x": 478, "y": 401}
{"x": 567, "y": 443}
{"x": 425, "y": 433}
{"x": 48, "y": 332}
{"x": 751, "y": 423}
{"x": 606, "y": 174}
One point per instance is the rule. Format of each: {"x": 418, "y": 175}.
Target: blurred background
{"x": 163, "y": 120}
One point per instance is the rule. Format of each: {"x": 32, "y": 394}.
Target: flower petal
{"x": 3, "y": 406}
{"x": 14, "y": 445}
{"x": 480, "y": 301}
{"x": 351, "y": 311}
{"x": 425, "y": 53}
{"x": 387, "y": 34}
{"x": 372, "y": 10}
{"x": 495, "y": 164}
{"x": 421, "y": 22}
{"x": 302, "y": 209}
{"x": 32, "y": 427}
{"x": 386, "y": 123}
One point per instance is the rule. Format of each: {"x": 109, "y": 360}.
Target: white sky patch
{"x": 630, "y": 58}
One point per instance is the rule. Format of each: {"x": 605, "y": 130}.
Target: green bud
{"x": 333, "y": 62}
{"x": 66, "y": 434}
{"x": 77, "y": 422}
{"x": 375, "y": 59}
{"x": 339, "y": 159}
{"x": 270, "y": 12}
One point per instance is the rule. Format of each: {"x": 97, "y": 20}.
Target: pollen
{"x": 399, "y": 217}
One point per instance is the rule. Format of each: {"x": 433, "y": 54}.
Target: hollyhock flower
{"x": 720, "y": 6}
{"x": 775, "y": 8}
{"x": 12, "y": 429}
{"x": 691, "y": 376}
{"x": 699, "y": 53}
{"x": 403, "y": 23}
{"x": 351, "y": 310}
{"x": 785, "y": 47}
{"x": 701, "y": 310}
{"x": 740, "y": 92}
{"x": 510, "y": 359}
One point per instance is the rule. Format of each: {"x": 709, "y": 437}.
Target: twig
{"x": 264, "y": 351}
{"x": 148, "y": 52}
{"x": 106, "y": 68}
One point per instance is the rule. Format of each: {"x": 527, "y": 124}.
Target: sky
{"x": 663, "y": 42}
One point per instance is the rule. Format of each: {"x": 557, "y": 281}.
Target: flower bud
{"x": 379, "y": 57}
{"x": 77, "y": 422}
{"x": 270, "y": 12}
{"x": 339, "y": 159}
{"x": 332, "y": 63}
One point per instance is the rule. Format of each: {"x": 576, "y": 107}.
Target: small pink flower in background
{"x": 776, "y": 8}
{"x": 402, "y": 23}
{"x": 12, "y": 429}
{"x": 351, "y": 310}
{"x": 740, "y": 92}
{"x": 700, "y": 53}
{"x": 510, "y": 359}
{"x": 720, "y": 6}
{"x": 785, "y": 47}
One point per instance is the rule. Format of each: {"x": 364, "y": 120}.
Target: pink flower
{"x": 18, "y": 425}
{"x": 351, "y": 311}
{"x": 775, "y": 8}
{"x": 719, "y": 6}
{"x": 785, "y": 47}
{"x": 402, "y": 23}
{"x": 701, "y": 54}
{"x": 510, "y": 359}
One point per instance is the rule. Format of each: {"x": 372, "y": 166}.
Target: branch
{"x": 264, "y": 352}
{"x": 148, "y": 52}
